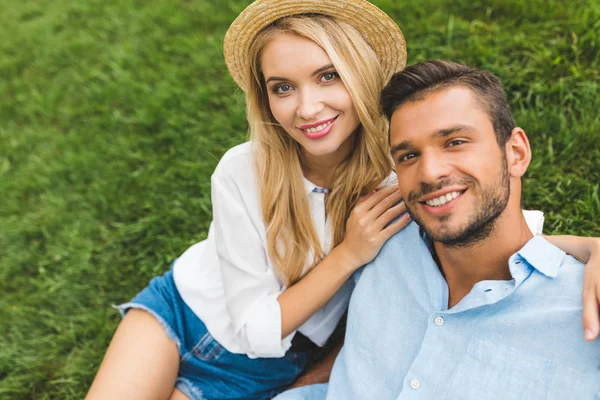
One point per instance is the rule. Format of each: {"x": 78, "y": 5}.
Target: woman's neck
{"x": 319, "y": 169}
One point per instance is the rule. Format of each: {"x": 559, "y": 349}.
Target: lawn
{"x": 114, "y": 113}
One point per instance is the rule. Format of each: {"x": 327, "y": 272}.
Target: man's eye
{"x": 407, "y": 157}
{"x": 455, "y": 142}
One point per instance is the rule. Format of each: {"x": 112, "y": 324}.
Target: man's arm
{"x": 321, "y": 371}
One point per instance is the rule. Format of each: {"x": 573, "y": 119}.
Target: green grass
{"x": 113, "y": 114}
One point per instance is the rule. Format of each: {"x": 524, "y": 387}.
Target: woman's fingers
{"x": 385, "y": 204}
{"x": 395, "y": 227}
{"x": 364, "y": 198}
{"x": 370, "y": 200}
{"x": 591, "y": 310}
{"x": 389, "y": 215}
{"x": 370, "y": 223}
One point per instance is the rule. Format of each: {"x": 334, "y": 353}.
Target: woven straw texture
{"x": 380, "y": 31}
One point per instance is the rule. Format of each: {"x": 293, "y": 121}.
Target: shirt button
{"x": 414, "y": 384}
{"x": 439, "y": 321}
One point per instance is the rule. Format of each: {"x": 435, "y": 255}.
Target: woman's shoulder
{"x": 237, "y": 160}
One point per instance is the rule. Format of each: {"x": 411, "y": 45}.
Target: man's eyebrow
{"x": 407, "y": 144}
{"x": 316, "y": 72}
{"x": 454, "y": 129}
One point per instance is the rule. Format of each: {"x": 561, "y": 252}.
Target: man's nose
{"x": 433, "y": 167}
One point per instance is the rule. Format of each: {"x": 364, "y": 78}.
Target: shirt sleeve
{"x": 535, "y": 221}
{"x": 250, "y": 285}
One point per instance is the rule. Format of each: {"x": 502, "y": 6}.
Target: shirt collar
{"x": 312, "y": 188}
{"x": 537, "y": 253}
{"x": 541, "y": 255}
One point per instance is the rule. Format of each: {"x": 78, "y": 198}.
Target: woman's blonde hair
{"x": 291, "y": 235}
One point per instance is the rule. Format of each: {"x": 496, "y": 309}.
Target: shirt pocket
{"x": 587, "y": 386}
{"x": 494, "y": 371}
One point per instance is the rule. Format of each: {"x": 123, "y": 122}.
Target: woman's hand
{"x": 586, "y": 250}
{"x": 366, "y": 231}
{"x": 370, "y": 225}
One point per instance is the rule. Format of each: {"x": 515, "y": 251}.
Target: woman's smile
{"x": 319, "y": 129}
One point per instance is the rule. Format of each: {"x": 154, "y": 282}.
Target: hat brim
{"x": 381, "y": 32}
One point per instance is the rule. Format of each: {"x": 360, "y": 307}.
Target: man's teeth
{"x": 319, "y": 128}
{"x": 440, "y": 201}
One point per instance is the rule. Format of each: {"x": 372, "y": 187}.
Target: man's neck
{"x": 485, "y": 260}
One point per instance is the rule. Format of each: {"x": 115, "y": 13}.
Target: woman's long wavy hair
{"x": 292, "y": 241}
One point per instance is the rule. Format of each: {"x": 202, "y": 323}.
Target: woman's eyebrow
{"x": 275, "y": 78}
{"x": 322, "y": 69}
{"x": 316, "y": 72}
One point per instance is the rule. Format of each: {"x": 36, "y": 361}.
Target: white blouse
{"x": 229, "y": 281}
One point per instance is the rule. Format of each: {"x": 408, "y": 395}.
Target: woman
{"x": 238, "y": 313}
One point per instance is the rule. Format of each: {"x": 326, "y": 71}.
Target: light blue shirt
{"x": 517, "y": 339}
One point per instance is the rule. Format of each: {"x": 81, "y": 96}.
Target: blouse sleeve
{"x": 535, "y": 221}
{"x": 250, "y": 285}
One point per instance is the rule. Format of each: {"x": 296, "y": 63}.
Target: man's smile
{"x": 441, "y": 201}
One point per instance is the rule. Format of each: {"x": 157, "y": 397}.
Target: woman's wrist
{"x": 595, "y": 247}
{"x": 345, "y": 259}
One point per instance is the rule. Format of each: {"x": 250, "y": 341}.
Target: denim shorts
{"x": 207, "y": 370}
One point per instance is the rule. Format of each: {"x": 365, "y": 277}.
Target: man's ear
{"x": 518, "y": 153}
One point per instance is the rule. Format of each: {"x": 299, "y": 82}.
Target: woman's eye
{"x": 329, "y": 76}
{"x": 282, "y": 89}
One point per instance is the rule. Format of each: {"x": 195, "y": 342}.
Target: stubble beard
{"x": 494, "y": 200}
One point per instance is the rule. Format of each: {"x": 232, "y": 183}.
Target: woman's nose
{"x": 309, "y": 105}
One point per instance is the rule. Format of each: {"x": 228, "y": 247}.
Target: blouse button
{"x": 414, "y": 384}
{"x": 439, "y": 321}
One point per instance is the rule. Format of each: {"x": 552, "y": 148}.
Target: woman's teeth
{"x": 319, "y": 128}
{"x": 440, "y": 201}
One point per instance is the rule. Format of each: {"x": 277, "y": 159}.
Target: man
{"x": 469, "y": 304}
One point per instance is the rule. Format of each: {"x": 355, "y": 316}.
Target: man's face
{"x": 451, "y": 171}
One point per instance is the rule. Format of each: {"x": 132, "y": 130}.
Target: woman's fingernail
{"x": 588, "y": 334}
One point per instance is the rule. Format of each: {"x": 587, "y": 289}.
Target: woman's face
{"x": 307, "y": 96}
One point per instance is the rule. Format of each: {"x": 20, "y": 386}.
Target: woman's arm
{"x": 367, "y": 229}
{"x": 263, "y": 314}
{"x": 586, "y": 250}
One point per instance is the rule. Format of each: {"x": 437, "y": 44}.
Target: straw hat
{"x": 380, "y": 31}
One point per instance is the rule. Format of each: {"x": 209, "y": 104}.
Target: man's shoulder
{"x": 401, "y": 251}
{"x": 408, "y": 242}
{"x": 550, "y": 261}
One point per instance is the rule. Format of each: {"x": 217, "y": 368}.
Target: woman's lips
{"x": 320, "y": 130}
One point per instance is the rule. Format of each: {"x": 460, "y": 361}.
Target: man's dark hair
{"x": 418, "y": 80}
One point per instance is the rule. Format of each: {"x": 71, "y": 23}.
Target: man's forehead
{"x": 437, "y": 111}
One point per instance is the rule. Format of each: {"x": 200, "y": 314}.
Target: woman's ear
{"x": 518, "y": 153}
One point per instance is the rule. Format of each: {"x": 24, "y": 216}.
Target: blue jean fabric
{"x": 207, "y": 370}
